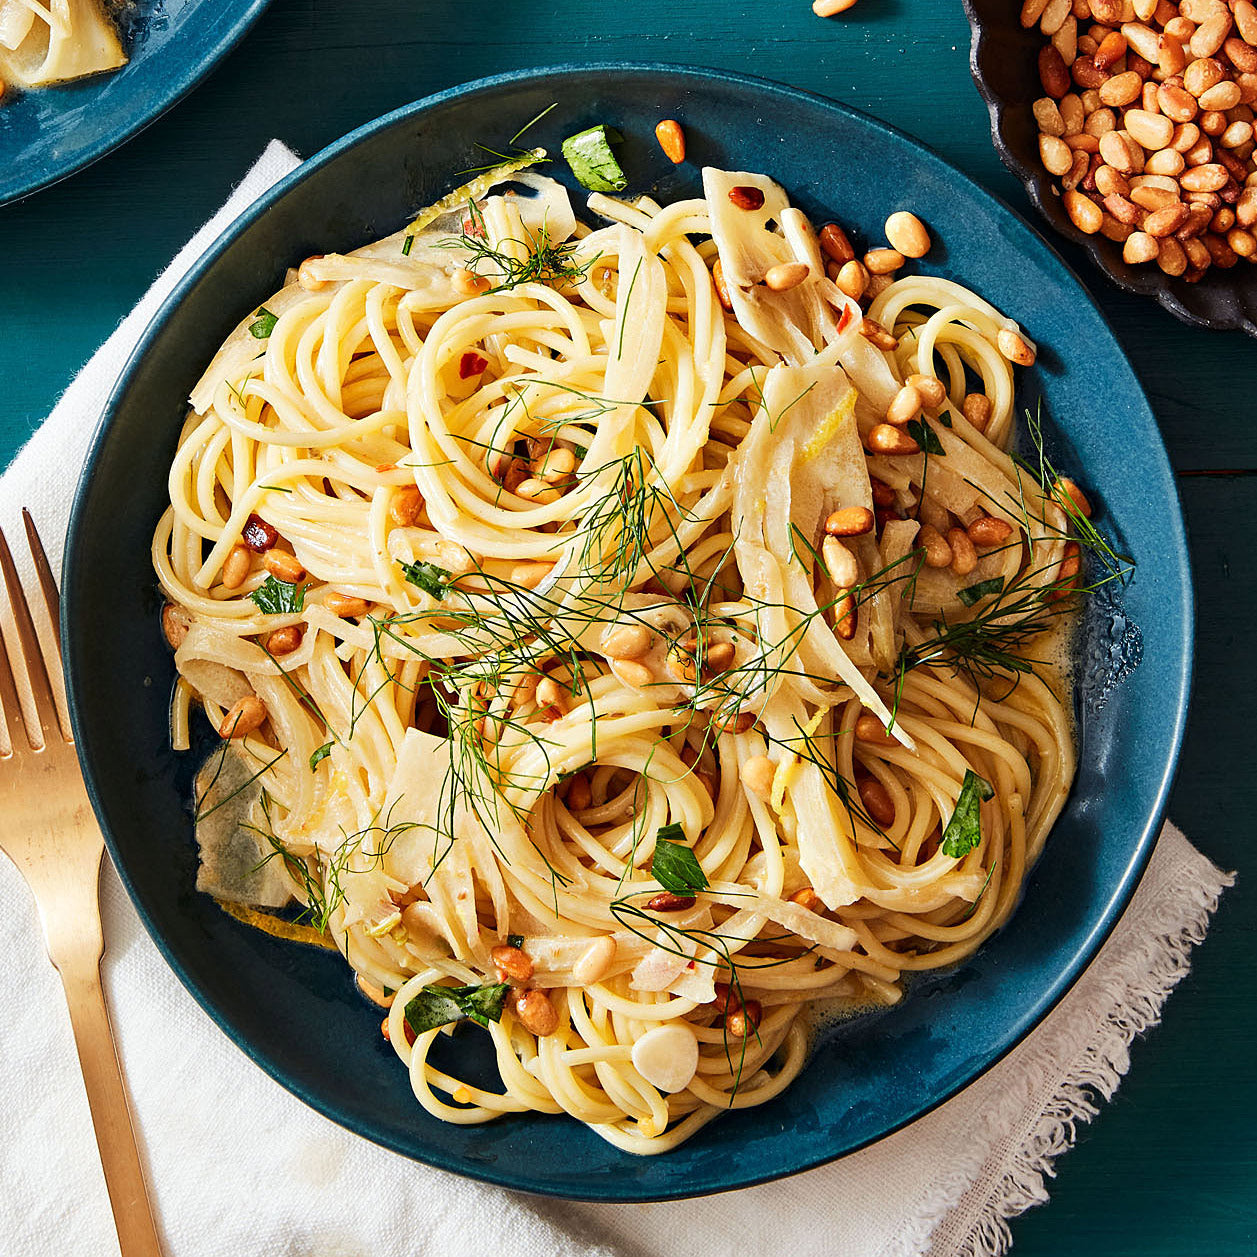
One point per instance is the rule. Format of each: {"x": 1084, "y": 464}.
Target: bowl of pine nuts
{"x": 1132, "y": 125}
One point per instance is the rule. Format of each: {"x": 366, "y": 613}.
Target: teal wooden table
{"x": 1170, "y": 1167}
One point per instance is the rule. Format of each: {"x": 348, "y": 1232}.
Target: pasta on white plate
{"x": 50, "y": 41}
{"x": 627, "y": 673}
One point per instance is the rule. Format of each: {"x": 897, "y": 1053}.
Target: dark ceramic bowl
{"x": 294, "y": 1009}
{"x": 1004, "y": 61}
{"x": 50, "y": 133}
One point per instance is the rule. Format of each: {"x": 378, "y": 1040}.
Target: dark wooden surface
{"x": 1170, "y": 1167}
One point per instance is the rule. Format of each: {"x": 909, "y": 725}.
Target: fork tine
{"x": 38, "y": 689}
{"x": 43, "y": 569}
{"x": 11, "y": 715}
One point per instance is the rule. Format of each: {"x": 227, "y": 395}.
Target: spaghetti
{"x": 603, "y": 665}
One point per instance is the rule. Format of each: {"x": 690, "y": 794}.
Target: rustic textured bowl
{"x": 1004, "y": 60}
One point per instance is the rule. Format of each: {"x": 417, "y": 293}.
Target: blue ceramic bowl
{"x": 293, "y": 1010}
{"x": 172, "y": 44}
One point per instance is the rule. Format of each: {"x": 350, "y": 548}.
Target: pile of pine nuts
{"x": 1148, "y": 122}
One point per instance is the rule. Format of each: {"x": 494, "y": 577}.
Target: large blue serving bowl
{"x": 292, "y": 1009}
{"x": 172, "y": 44}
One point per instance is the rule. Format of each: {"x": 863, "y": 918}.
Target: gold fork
{"x": 48, "y": 831}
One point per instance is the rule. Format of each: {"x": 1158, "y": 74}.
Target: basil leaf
{"x": 277, "y": 597}
{"x": 925, "y": 437}
{"x": 428, "y": 577}
{"x": 515, "y": 940}
{"x": 592, "y": 162}
{"x": 983, "y": 589}
{"x": 319, "y": 754}
{"x": 964, "y": 830}
{"x": 436, "y": 1006}
{"x": 675, "y": 866}
{"x": 263, "y": 324}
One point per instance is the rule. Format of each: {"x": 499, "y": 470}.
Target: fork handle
{"x": 107, "y": 1098}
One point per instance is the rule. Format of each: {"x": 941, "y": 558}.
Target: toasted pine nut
{"x": 829, "y": 8}
{"x": 931, "y": 390}
{"x": 538, "y": 491}
{"x": 907, "y": 233}
{"x": 883, "y": 261}
{"x": 977, "y": 408}
{"x": 345, "y": 606}
{"x": 719, "y": 657}
{"x": 1015, "y": 348}
{"x": 1071, "y": 490}
{"x": 405, "y": 506}
{"x": 937, "y": 551}
{"x": 305, "y": 275}
{"x": 887, "y": 439}
{"x": 635, "y": 675}
{"x": 512, "y": 963}
{"x": 873, "y": 331}
{"x": 808, "y": 899}
{"x": 283, "y": 566}
{"x": 883, "y": 494}
{"x": 666, "y": 901}
{"x": 757, "y": 775}
{"x": 843, "y": 568}
{"x": 594, "y": 961}
{"x": 551, "y": 694}
{"x": 283, "y": 641}
{"x": 578, "y": 795}
{"x": 671, "y": 139}
{"x": 235, "y": 567}
{"x": 845, "y": 617}
{"x": 1070, "y": 562}
{"x": 868, "y": 728}
{"x": 931, "y": 511}
{"x": 174, "y": 624}
{"x": 468, "y": 284}
{"x": 722, "y": 289}
{"x": 904, "y": 406}
{"x": 850, "y": 521}
{"x": 742, "y": 1022}
{"x": 836, "y": 244}
{"x": 555, "y": 466}
{"x": 530, "y": 575}
{"x": 785, "y": 276}
{"x": 876, "y": 799}
{"x": 852, "y": 279}
{"x": 244, "y": 716}
{"x": 626, "y": 641}
{"x": 738, "y": 722}
{"x": 681, "y": 664}
{"x": 987, "y": 531}
{"x": 536, "y": 1013}
{"x": 964, "y": 558}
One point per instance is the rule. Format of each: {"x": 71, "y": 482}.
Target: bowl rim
{"x": 154, "y": 107}
{"x": 1102, "y": 925}
{"x": 1038, "y": 186}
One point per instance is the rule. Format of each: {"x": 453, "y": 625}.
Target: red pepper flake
{"x": 472, "y": 228}
{"x": 747, "y": 198}
{"x": 844, "y": 318}
{"x": 471, "y": 364}
{"x": 258, "y": 535}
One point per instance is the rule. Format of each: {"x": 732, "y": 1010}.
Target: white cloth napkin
{"x": 276, "y": 1178}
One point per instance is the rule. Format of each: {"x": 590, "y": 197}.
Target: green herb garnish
{"x": 964, "y": 830}
{"x": 264, "y": 324}
{"x": 675, "y": 866}
{"x": 515, "y": 940}
{"x": 436, "y": 1006}
{"x": 592, "y": 161}
{"x": 277, "y": 597}
{"x": 972, "y": 594}
{"x": 925, "y": 437}
{"x": 319, "y": 754}
{"x": 428, "y": 577}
